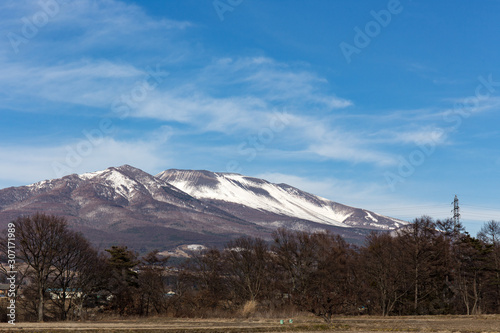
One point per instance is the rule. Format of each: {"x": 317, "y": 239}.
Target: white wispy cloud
{"x": 337, "y": 142}
{"x": 434, "y": 136}
{"x": 62, "y": 60}
{"x": 275, "y": 81}
{"x": 25, "y": 165}
{"x": 422, "y": 135}
{"x": 86, "y": 82}
{"x": 203, "y": 111}
{"x": 469, "y": 105}
{"x": 91, "y": 25}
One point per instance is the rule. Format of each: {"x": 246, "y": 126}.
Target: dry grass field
{"x": 440, "y": 324}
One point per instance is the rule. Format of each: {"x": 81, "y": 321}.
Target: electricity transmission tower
{"x": 456, "y": 211}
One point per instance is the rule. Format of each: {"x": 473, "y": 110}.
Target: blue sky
{"x": 391, "y": 105}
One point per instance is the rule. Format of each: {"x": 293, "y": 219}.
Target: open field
{"x": 440, "y": 324}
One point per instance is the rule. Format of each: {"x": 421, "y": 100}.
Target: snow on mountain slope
{"x": 280, "y": 199}
{"x": 123, "y": 185}
{"x": 128, "y": 182}
{"x": 263, "y": 196}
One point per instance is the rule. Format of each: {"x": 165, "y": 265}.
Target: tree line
{"x": 427, "y": 267}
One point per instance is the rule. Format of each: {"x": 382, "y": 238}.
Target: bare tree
{"x": 329, "y": 288}
{"x": 317, "y": 271}
{"x": 382, "y": 270}
{"x": 490, "y": 234}
{"x": 71, "y": 266}
{"x": 91, "y": 282}
{"x": 248, "y": 263}
{"x": 472, "y": 256}
{"x": 54, "y": 258}
{"x": 296, "y": 255}
{"x": 152, "y": 287}
{"x": 210, "y": 271}
{"x": 418, "y": 245}
{"x": 41, "y": 239}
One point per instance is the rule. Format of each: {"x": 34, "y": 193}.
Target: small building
{"x": 57, "y": 293}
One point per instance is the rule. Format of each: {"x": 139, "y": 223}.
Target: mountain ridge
{"x": 285, "y": 199}
{"x": 128, "y": 206}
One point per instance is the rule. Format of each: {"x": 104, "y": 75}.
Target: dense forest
{"x": 426, "y": 267}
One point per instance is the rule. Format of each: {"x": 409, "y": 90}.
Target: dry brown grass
{"x": 304, "y": 323}
{"x": 249, "y": 308}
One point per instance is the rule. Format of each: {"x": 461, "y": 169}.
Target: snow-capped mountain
{"x": 128, "y": 206}
{"x": 125, "y": 205}
{"x": 229, "y": 191}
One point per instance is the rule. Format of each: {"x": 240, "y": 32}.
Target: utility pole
{"x": 456, "y": 211}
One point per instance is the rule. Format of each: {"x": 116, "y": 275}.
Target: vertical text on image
{"x": 11, "y": 273}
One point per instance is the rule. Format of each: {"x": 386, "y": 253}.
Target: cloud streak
{"x": 25, "y": 165}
